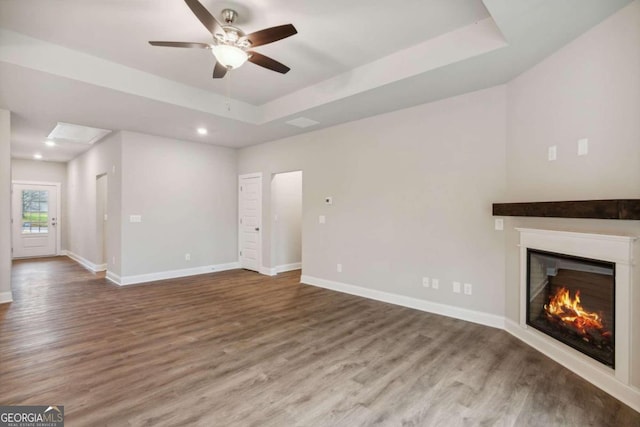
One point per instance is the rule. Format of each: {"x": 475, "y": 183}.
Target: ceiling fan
{"x": 231, "y": 46}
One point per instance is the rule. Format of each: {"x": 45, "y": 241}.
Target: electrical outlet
{"x": 467, "y": 288}
{"x": 425, "y": 282}
{"x": 499, "y": 224}
{"x": 552, "y": 153}
{"x": 339, "y": 268}
{"x": 113, "y": 260}
{"x": 456, "y": 287}
{"x": 187, "y": 257}
{"x": 435, "y": 283}
{"x": 583, "y": 147}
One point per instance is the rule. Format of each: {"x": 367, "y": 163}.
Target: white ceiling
{"x": 88, "y": 62}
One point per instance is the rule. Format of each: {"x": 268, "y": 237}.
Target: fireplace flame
{"x": 570, "y": 311}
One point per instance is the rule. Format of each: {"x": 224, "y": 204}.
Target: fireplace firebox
{"x": 572, "y": 299}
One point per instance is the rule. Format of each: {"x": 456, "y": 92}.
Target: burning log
{"x": 568, "y": 314}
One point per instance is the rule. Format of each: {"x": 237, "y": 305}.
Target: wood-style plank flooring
{"x": 239, "y": 349}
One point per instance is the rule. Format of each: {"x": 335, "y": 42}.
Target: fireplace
{"x": 572, "y": 299}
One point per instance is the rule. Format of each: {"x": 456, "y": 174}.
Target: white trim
{"x": 95, "y": 268}
{"x": 170, "y": 274}
{"x": 600, "y": 376}
{"x": 58, "y": 186}
{"x": 288, "y": 267}
{"x": 431, "y": 307}
{"x": 6, "y": 297}
{"x": 268, "y": 271}
{"x": 113, "y": 277}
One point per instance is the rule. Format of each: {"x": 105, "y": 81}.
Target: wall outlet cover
{"x": 435, "y": 283}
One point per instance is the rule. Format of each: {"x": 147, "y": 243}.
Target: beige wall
{"x": 186, "y": 194}
{"x": 5, "y": 206}
{"x": 82, "y": 173}
{"x": 412, "y": 195}
{"x": 39, "y": 171}
{"x": 589, "y": 89}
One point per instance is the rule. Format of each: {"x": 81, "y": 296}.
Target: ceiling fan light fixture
{"x": 230, "y": 56}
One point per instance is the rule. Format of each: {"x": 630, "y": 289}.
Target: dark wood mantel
{"x": 628, "y": 209}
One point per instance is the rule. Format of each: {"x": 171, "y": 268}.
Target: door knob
{"x": 257, "y": 228}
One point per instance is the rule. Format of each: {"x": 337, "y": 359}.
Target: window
{"x": 35, "y": 212}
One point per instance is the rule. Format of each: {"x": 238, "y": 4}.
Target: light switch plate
{"x": 583, "y": 147}
{"x": 552, "y": 153}
{"x": 322, "y": 219}
{"x": 499, "y": 224}
{"x": 135, "y": 218}
{"x": 328, "y": 200}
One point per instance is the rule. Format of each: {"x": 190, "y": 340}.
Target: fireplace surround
{"x": 614, "y": 251}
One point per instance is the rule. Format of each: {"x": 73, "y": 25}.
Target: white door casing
{"x": 35, "y": 215}
{"x": 250, "y": 221}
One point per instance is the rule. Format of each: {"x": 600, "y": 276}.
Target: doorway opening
{"x": 101, "y": 221}
{"x": 286, "y": 221}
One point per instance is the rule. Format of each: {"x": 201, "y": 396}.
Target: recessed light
{"x": 49, "y": 143}
{"x": 37, "y": 156}
{"x": 202, "y": 131}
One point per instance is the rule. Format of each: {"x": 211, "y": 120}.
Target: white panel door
{"x": 35, "y": 222}
{"x": 250, "y": 210}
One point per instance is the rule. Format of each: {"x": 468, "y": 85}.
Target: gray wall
{"x": 82, "y": 172}
{"x": 39, "y": 171}
{"x": 5, "y": 205}
{"x": 412, "y": 196}
{"x": 187, "y": 196}
{"x": 589, "y": 89}
{"x": 286, "y": 200}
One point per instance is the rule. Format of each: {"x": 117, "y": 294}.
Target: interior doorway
{"x": 35, "y": 216}
{"x": 286, "y": 221}
{"x": 101, "y": 220}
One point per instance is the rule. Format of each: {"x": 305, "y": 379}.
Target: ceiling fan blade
{"x": 205, "y": 17}
{"x": 219, "y": 71}
{"x": 270, "y": 35}
{"x": 181, "y": 44}
{"x": 266, "y": 62}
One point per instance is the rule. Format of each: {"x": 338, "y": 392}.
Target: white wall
{"x": 5, "y": 206}
{"x": 286, "y": 200}
{"x": 187, "y": 196}
{"x": 412, "y": 196}
{"x": 104, "y": 157}
{"x": 589, "y": 89}
{"x": 39, "y": 171}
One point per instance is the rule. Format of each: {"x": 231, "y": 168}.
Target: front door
{"x": 35, "y": 231}
{"x": 250, "y": 209}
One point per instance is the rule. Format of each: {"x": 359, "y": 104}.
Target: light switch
{"x": 135, "y": 218}
{"x": 583, "y": 147}
{"x": 552, "y": 153}
{"x": 322, "y": 219}
{"x": 328, "y": 200}
{"x": 499, "y": 224}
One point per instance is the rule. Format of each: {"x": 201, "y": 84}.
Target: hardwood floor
{"x": 239, "y": 349}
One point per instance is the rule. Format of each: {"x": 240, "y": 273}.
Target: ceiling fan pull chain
{"x": 229, "y": 91}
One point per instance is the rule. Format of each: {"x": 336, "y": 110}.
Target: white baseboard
{"x": 6, "y": 297}
{"x": 601, "y": 377}
{"x": 113, "y": 277}
{"x": 170, "y": 274}
{"x": 267, "y": 271}
{"x": 415, "y": 303}
{"x": 288, "y": 267}
{"x": 85, "y": 262}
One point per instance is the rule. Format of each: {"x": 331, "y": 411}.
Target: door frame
{"x": 58, "y": 210}
{"x": 240, "y": 178}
